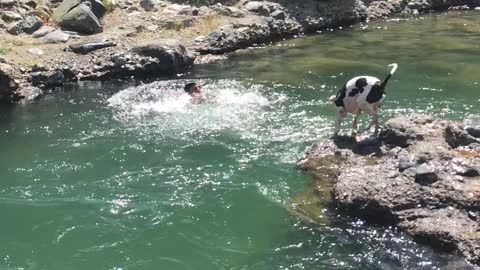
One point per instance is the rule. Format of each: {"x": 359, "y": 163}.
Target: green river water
{"x": 113, "y": 176}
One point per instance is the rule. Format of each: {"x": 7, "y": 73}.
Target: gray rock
{"x": 472, "y": 125}
{"x": 86, "y": 47}
{"x": 35, "y": 51}
{"x": 228, "y": 11}
{"x": 55, "y": 37}
{"x": 401, "y": 133}
{"x": 257, "y": 7}
{"x": 81, "y": 19}
{"x": 404, "y": 163}
{"x": 7, "y": 81}
{"x": 199, "y": 39}
{"x": 7, "y": 3}
{"x": 48, "y": 78}
{"x": 171, "y": 55}
{"x": 148, "y": 5}
{"x": 419, "y": 4}
{"x": 31, "y": 24}
{"x": 15, "y": 28}
{"x": 464, "y": 7}
{"x": 30, "y": 93}
{"x": 435, "y": 212}
{"x": 279, "y": 15}
{"x": 425, "y": 175}
{"x": 38, "y": 67}
{"x": 64, "y": 8}
{"x": 217, "y": 35}
{"x": 176, "y": 9}
{"x": 67, "y": 6}
{"x": 456, "y": 136}
{"x": 10, "y": 16}
{"x": 467, "y": 171}
{"x": 42, "y": 31}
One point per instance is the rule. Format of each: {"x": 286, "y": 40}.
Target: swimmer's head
{"x": 191, "y": 88}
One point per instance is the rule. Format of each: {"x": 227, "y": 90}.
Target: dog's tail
{"x": 392, "y": 71}
{"x": 332, "y": 98}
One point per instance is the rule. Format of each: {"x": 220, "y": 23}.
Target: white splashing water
{"x": 251, "y": 112}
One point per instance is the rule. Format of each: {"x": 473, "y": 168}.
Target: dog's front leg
{"x": 338, "y": 123}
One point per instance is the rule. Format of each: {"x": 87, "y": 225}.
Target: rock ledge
{"x": 422, "y": 175}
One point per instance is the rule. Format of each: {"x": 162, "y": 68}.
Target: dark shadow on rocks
{"x": 364, "y": 147}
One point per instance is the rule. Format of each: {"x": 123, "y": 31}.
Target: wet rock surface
{"x": 410, "y": 177}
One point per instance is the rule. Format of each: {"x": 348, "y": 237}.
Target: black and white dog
{"x": 361, "y": 94}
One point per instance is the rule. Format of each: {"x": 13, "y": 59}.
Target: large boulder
{"x": 31, "y": 24}
{"x": 7, "y": 81}
{"x": 170, "y": 53}
{"x": 416, "y": 175}
{"x": 68, "y": 5}
{"x": 81, "y": 19}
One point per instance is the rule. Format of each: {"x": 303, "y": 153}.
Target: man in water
{"x": 194, "y": 91}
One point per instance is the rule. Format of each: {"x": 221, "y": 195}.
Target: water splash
{"x": 252, "y": 112}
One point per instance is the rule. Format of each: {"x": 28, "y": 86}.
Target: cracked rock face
{"x": 422, "y": 175}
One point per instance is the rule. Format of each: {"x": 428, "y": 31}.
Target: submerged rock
{"x": 416, "y": 180}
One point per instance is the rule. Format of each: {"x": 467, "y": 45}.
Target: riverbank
{"x": 422, "y": 175}
{"x": 136, "y": 36}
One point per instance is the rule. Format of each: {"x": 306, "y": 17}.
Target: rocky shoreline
{"x": 46, "y": 43}
{"x": 422, "y": 174}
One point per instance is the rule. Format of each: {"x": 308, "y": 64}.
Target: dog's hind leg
{"x": 375, "y": 123}
{"x": 355, "y": 123}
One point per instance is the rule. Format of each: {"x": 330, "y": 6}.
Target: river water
{"x": 118, "y": 176}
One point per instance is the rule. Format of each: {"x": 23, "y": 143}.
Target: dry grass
{"x": 210, "y": 24}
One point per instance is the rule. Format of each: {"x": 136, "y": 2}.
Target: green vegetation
{"x": 179, "y": 25}
{"x": 4, "y": 50}
{"x": 108, "y": 4}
